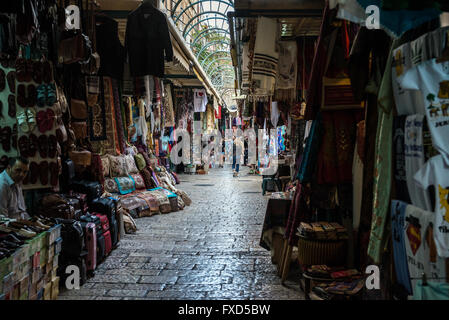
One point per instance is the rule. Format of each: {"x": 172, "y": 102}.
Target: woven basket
{"x": 315, "y": 252}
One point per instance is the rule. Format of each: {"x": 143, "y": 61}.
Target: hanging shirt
{"x": 274, "y": 113}
{"x": 398, "y": 238}
{"x": 419, "y": 245}
{"x": 414, "y": 160}
{"x": 399, "y": 159}
{"x": 200, "y": 100}
{"x": 432, "y": 79}
{"x": 407, "y": 101}
{"x": 436, "y": 173}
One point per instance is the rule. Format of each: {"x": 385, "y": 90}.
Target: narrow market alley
{"x": 209, "y": 250}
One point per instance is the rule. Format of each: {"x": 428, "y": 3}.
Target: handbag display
{"x": 80, "y": 129}
{"x": 74, "y": 49}
{"x": 81, "y": 158}
{"x": 78, "y": 109}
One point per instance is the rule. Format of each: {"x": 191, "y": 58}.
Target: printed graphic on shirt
{"x": 414, "y": 237}
{"x": 399, "y": 63}
{"x": 443, "y": 194}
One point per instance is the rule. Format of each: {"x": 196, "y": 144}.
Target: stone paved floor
{"x": 208, "y": 251}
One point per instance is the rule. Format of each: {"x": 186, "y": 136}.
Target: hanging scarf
{"x": 265, "y": 56}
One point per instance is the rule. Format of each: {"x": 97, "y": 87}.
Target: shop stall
{"x": 365, "y": 108}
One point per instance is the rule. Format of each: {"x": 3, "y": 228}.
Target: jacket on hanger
{"x": 111, "y": 51}
{"x": 147, "y": 41}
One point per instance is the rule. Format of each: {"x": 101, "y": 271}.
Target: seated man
{"x": 12, "y": 203}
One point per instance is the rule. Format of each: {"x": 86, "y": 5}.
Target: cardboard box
{"x": 36, "y": 260}
{"x": 47, "y": 291}
{"x": 8, "y": 282}
{"x": 44, "y": 255}
{"x": 33, "y": 289}
{"x": 55, "y": 261}
{"x": 53, "y": 234}
{"x": 16, "y": 292}
{"x": 24, "y": 286}
{"x": 51, "y": 253}
{"x": 55, "y": 288}
{"x": 54, "y": 273}
{"x": 58, "y": 246}
{"x": 21, "y": 255}
{"x": 22, "y": 271}
{"x": 36, "y": 275}
{"x": 40, "y": 294}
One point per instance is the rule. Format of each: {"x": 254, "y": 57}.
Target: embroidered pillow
{"x": 147, "y": 178}
{"x": 106, "y": 166}
{"x": 138, "y": 180}
{"x": 118, "y": 166}
{"x": 125, "y": 185}
{"x": 131, "y": 167}
{"x": 147, "y": 158}
{"x": 110, "y": 185}
{"x": 140, "y": 161}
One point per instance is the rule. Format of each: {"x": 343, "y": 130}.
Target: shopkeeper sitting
{"x": 12, "y": 203}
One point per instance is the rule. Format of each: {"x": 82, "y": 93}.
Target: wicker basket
{"x": 317, "y": 252}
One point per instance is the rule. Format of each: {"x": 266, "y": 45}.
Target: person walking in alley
{"x": 237, "y": 150}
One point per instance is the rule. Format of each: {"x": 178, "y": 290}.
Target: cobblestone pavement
{"x": 209, "y": 250}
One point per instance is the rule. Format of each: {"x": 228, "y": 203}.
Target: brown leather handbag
{"x": 72, "y": 50}
{"x": 80, "y": 129}
{"x": 78, "y": 109}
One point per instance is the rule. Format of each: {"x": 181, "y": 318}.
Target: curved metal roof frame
{"x": 222, "y": 16}
{"x": 220, "y": 68}
{"x": 211, "y": 55}
{"x": 207, "y": 69}
{"x": 228, "y": 3}
{"x": 207, "y": 45}
{"x": 180, "y": 1}
{"x": 204, "y": 33}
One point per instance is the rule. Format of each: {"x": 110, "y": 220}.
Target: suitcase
{"x": 104, "y": 206}
{"x": 79, "y": 262}
{"x": 76, "y": 203}
{"x": 113, "y": 228}
{"x": 104, "y": 221}
{"x": 92, "y": 189}
{"x": 72, "y": 238}
{"x": 81, "y": 197}
{"x": 93, "y": 219}
{"x": 90, "y": 238}
{"x": 107, "y": 242}
{"x": 101, "y": 248}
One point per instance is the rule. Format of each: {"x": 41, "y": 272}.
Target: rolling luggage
{"x": 104, "y": 221}
{"x": 92, "y": 189}
{"x": 104, "y": 206}
{"x": 101, "y": 248}
{"x": 107, "y": 242}
{"x": 113, "y": 228}
{"x": 90, "y": 238}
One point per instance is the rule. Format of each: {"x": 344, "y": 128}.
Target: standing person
{"x": 12, "y": 203}
{"x": 237, "y": 147}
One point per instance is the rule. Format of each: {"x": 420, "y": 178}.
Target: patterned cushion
{"x": 106, "y": 166}
{"x": 118, "y": 166}
{"x": 147, "y": 158}
{"x": 140, "y": 161}
{"x": 138, "y": 180}
{"x": 147, "y": 178}
{"x": 131, "y": 167}
{"x": 125, "y": 185}
{"x": 110, "y": 185}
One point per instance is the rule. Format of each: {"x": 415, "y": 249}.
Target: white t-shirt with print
{"x": 436, "y": 173}
{"x": 414, "y": 160}
{"x": 199, "y": 100}
{"x": 417, "y": 246}
{"x": 407, "y": 101}
{"x": 432, "y": 79}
